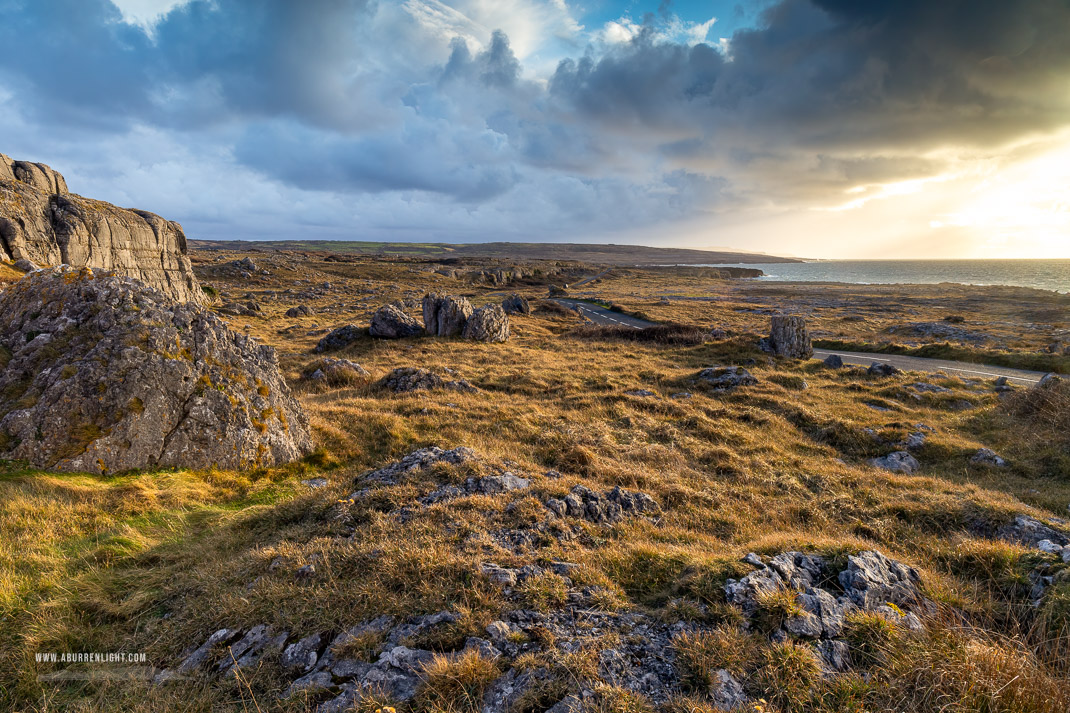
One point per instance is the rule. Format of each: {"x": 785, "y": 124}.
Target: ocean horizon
{"x": 1052, "y": 275}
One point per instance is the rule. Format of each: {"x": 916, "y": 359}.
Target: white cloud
{"x": 146, "y": 13}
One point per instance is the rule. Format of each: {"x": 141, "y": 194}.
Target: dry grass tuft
{"x": 456, "y": 684}
{"x": 665, "y": 334}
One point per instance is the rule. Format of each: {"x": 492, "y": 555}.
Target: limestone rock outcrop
{"x": 445, "y": 316}
{"x": 390, "y": 322}
{"x": 102, "y": 373}
{"x": 516, "y": 304}
{"x": 488, "y": 324}
{"x": 789, "y": 337}
{"x": 40, "y": 221}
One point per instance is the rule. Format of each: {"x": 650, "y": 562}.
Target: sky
{"x": 812, "y": 128}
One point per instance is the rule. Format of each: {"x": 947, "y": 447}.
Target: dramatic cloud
{"x": 420, "y": 119}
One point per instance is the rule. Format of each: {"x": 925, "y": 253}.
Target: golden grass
{"x": 156, "y": 561}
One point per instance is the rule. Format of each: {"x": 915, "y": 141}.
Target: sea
{"x": 1051, "y": 275}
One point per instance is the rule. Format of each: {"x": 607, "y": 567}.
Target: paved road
{"x": 603, "y": 316}
{"x": 585, "y": 280}
{"x": 956, "y": 368}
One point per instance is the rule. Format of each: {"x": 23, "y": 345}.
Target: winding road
{"x": 602, "y": 316}
{"x": 957, "y": 368}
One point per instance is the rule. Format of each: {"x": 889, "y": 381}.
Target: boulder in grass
{"x": 103, "y": 373}
{"x": 516, "y": 304}
{"x": 882, "y": 369}
{"x": 488, "y": 324}
{"x": 898, "y": 462}
{"x": 389, "y": 322}
{"x": 445, "y": 316}
{"x": 339, "y": 338}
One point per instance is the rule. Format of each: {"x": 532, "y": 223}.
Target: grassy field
{"x": 154, "y": 562}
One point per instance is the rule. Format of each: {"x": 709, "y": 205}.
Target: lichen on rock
{"x": 108, "y": 374}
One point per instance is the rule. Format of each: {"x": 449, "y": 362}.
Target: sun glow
{"x": 1027, "y": 204}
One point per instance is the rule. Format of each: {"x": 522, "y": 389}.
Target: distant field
{"x": 604, "y": 254}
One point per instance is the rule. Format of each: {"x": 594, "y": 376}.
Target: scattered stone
{"x": 487, "y": 485}
{"x": 25, "y": 265}
{"x": 299, "y": 311}
{"x": 311, "y": 683}
{"x": 301, "y": 656}
{"x": 1029, "y": 531}
{"x": 726, "y": 693}
{"x": 640, "y": 392}
{"x": 898, "y": 462}
{"x": 516, "y": 304}
{"x": 882, "y": 369}
{"x": 336, "y": 372}
{"x": 488, "y": 324}
{"x": 929, "y": 388}
{"x": 1048, "y": 380}
{"x": 681, "y": 395}
{"x": 241, "y": 309}
{"x": 834, "y": 361}
{"x": 410, "y": 378}
{"x": 339, "y": 338}
{"x": 108, "y": 374}
{"x": 307, "y": 571}
{"x": 315, "y": 483}
{"x": 603, "y": 508}
{"x": 727, "y": 378}
{"x": 789, "y": 337}
{"x": 987, "y": 457}
{"x": 419, "y": 460}
{"x": 389, "y": 322}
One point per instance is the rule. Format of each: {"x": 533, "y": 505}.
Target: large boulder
{"x": 339, "y": 338}
{"x": 516, "y": 304}
{"x": 44, "y": 224}
{"x": 789, "y": 337}
{"x": 445, "y": 316}
{"x": 488, "y": 324}
{"x": 103, "y": 373}
{"x": 389, "y": 322}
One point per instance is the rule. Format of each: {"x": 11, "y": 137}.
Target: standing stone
{"x": 488, "y": 324}
{"x": 445, "y": 316}
{"x": 389, "y": 322}
{"x": 790, "y": 338}
{"x": 103, "y": 373}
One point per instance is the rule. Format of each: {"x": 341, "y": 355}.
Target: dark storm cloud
{"x": 352, "y": 97}
{"x": 849, "y": 75}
